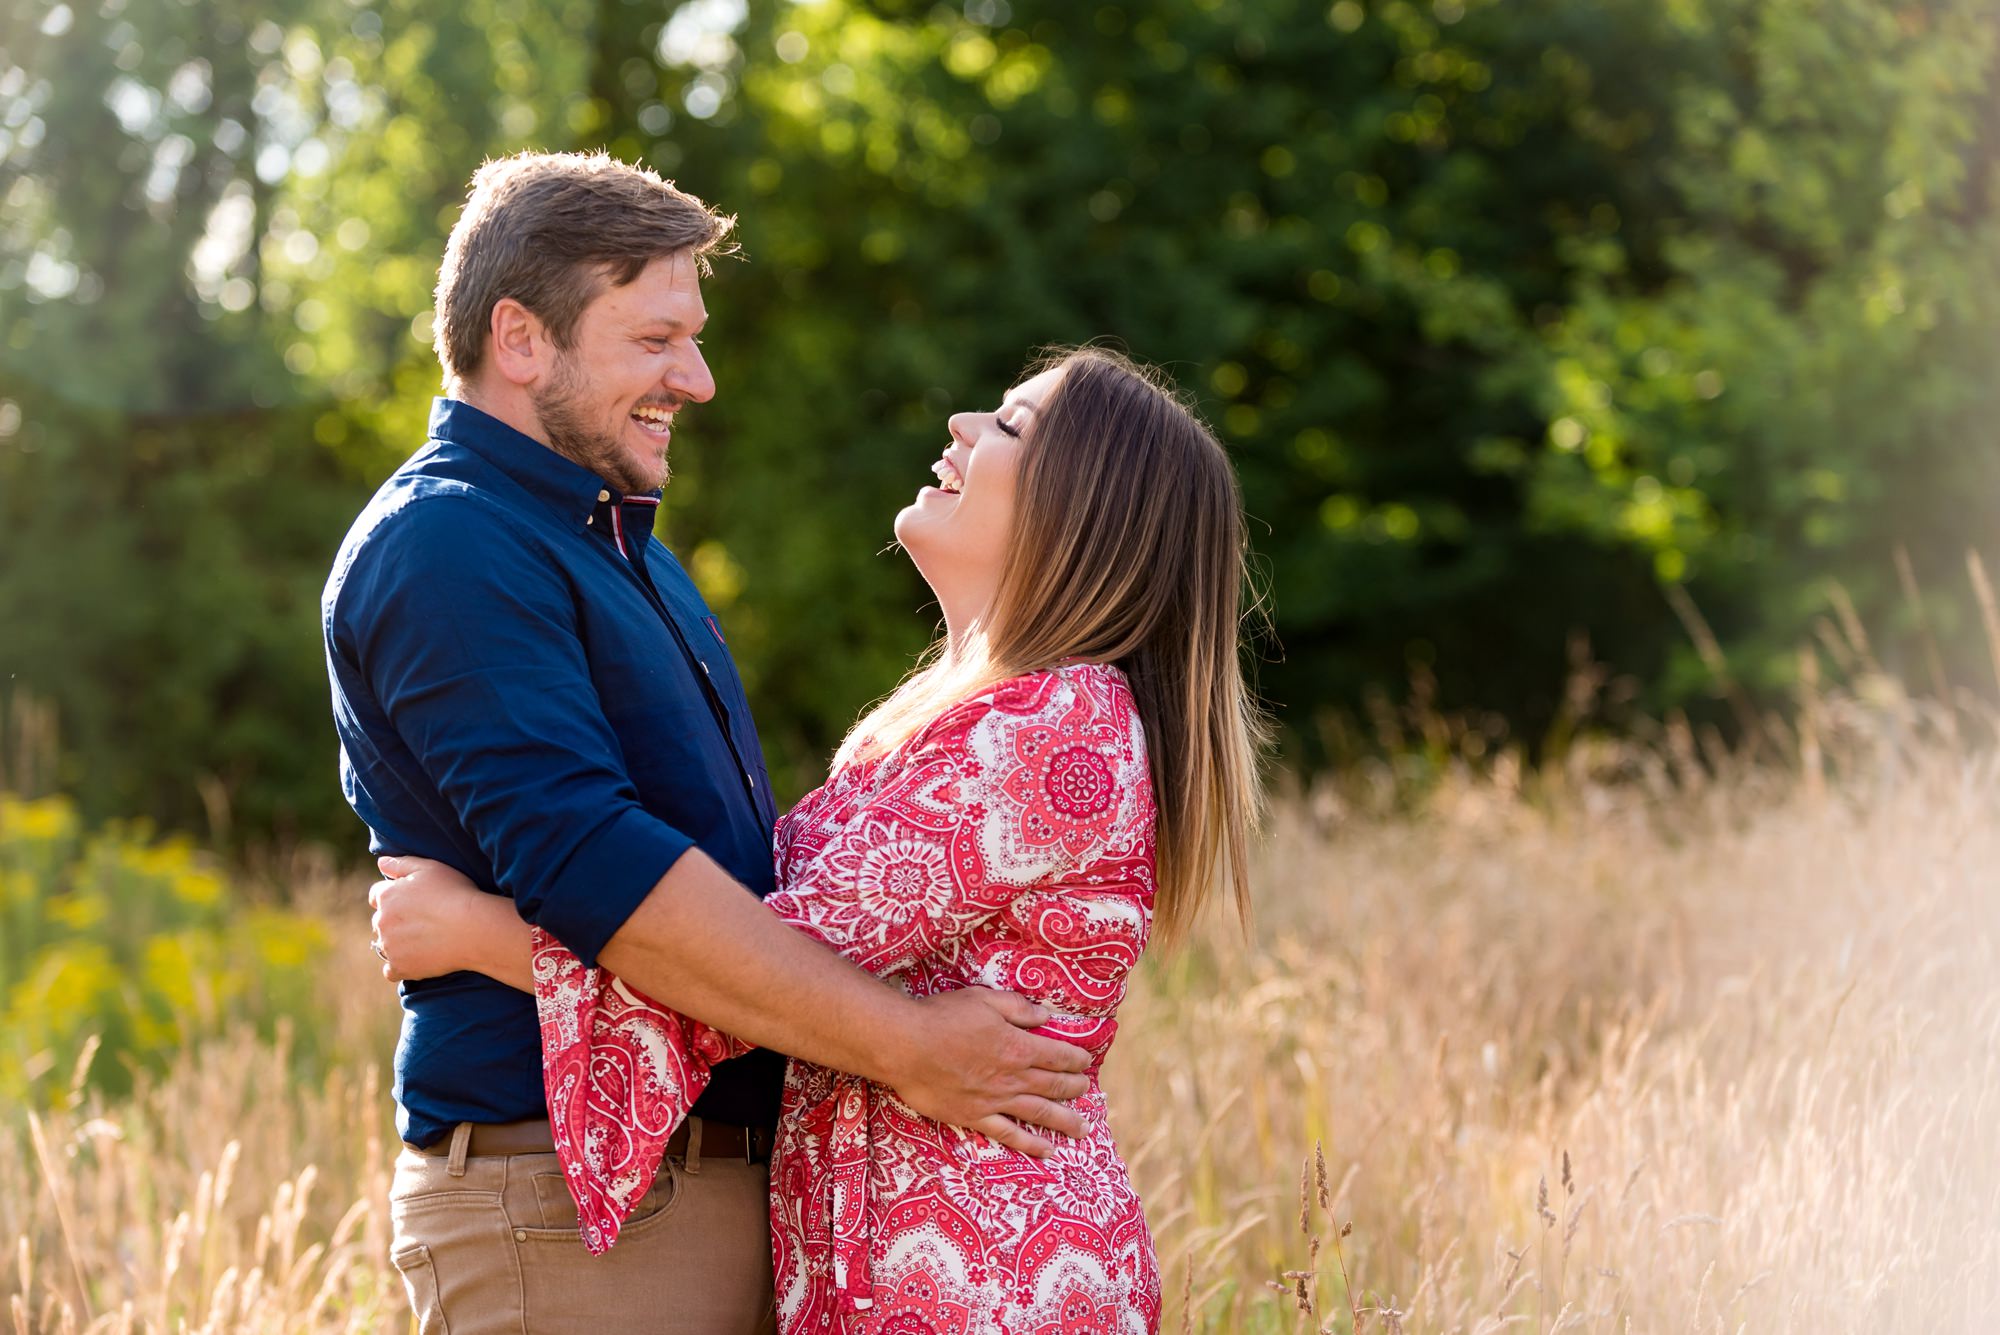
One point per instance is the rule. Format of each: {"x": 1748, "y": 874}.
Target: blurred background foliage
{"x": 1524, "y": 320}
{"x": 127, "y": 949}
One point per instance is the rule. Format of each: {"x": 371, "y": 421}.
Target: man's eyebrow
{"x": 668, "y": 323}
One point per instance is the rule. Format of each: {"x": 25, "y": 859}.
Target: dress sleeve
{"x": 1003, "y": 794}
{"x": 621, "y": 1072}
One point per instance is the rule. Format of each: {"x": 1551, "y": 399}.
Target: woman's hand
{"x": 430, "y": 920}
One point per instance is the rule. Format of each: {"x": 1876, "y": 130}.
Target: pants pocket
{"x": 552, "y": 1195}
{"x": 636, "y": 1285}
{"x": 454, "y": 1247}
{"x": 413, "y": 1263}
{"x": 558, "y": 1213}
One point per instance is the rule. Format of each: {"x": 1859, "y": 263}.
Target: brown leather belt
{"x": 719, "y": 1140}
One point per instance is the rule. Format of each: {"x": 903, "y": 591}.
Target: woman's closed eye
{"x": 1001, "y": 422}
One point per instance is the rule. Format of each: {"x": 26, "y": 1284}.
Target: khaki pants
{"x": 487, "y": 1244}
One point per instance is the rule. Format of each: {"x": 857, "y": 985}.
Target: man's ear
{"x": 520, "y": 345}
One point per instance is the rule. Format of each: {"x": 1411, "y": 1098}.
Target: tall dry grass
{"x": 1626, "y": 1046}
{"x": 1651, "y": 1041}
{"x": 224, "y": 1195}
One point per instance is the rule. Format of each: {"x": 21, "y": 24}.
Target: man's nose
{"x": 689, "y": 376}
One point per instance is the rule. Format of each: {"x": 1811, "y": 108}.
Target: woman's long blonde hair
{"x": 1128, "y": 548}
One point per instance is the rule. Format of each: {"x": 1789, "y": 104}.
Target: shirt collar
{"x": 626, "y": 520}
{"x": 567, "y": 487}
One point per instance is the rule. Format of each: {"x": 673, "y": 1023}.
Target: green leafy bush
{"x": 138, "y": 941}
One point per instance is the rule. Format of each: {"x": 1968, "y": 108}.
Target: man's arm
{"x": 467, "y": 638}
{"x": 705, "y": 946}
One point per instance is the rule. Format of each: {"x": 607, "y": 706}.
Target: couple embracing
{"x": 605, "y": 932}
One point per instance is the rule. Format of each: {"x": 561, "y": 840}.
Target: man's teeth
{"x": 947, "y": 476}
{"x": 659, "y": 417}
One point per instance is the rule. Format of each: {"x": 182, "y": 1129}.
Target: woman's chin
{"x": 931, "y": 505}
{"x": 917, "y": 535}
{"x": 909, "y": 525}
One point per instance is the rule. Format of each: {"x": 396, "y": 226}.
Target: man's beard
{"x": 565, "y": 422}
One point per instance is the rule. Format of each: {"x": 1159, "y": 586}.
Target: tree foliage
{"x": 1512, "y": 314}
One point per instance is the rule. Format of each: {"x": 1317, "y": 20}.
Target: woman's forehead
{"x": 1034, "y": 391}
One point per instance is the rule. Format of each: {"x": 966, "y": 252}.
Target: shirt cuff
{"x": 605, "y": 881}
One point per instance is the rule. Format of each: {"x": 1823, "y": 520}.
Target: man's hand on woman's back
{"x": 703, "y": 945}
{"x": 974, "y": 1063}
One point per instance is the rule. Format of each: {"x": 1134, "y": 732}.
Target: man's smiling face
{"x": 634, "y": 362}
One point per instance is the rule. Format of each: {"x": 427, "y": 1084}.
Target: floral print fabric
{"x": 1009, "y": 844}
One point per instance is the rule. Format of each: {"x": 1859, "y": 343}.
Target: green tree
{"x": 1513, "y": 316}
{"x": 222, "y": 222}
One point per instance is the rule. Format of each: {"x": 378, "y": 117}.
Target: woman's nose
{"x": 960, "y": 426}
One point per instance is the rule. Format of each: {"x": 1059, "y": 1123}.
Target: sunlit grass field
{"x": 1656, "y": 1039}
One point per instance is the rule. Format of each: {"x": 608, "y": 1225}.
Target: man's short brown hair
{"x": 551, "y": 230}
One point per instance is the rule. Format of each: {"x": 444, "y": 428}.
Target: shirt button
{"x": 520, "y": 1235}
{"x": 603, "y": 495}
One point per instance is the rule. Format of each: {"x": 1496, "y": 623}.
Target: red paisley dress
{"x": 1008, "y": 844}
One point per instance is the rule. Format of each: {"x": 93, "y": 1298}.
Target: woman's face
{"x": 957, "y": 532}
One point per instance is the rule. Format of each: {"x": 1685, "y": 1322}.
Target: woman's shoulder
{"x": 1076, "y": 694}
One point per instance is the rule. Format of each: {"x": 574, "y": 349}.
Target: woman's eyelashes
{"x": 1002, "y": 424}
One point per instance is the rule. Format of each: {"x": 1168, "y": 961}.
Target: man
{"x": 528, "y": 687}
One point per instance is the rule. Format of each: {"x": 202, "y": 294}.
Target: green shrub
{"x": 139, "y": 941}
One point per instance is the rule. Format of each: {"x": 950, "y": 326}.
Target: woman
{"x": 1071, "y": 773}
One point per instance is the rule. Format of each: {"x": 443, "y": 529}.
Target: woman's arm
{"x": 430, "y": 920}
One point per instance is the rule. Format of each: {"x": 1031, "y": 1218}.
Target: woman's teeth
{"x": 947, "y": 476}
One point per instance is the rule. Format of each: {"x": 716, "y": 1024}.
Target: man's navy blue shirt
{"x": 528, "y": 686}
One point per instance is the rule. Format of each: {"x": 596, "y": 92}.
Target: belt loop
{"x": 461, "y": 1138}
{"x": 694, "y": 1147}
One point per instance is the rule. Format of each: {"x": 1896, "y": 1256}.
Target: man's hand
{"x": 973, "y": 1063}
{"x": 703, "y": 945}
